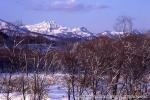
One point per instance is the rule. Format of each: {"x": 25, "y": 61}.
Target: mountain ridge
{"x": 47, "y": 28}
{"x": 51, "y": 28}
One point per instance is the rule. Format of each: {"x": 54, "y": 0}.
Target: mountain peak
{"x": 48, "y": 23}
{"x": 52, "y": 28}
{"x": 49, "y": 28}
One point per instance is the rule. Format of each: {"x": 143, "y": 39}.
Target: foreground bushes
{"x": 35, "y": 85}
{"x": 109, "y": 66}
{"x": 102, "y": 66}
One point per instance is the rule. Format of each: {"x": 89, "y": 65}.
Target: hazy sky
{"x": 96, "y": 15}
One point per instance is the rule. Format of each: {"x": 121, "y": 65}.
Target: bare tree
{"x": 18, "y": 23}
{"x": 124, "y": 24}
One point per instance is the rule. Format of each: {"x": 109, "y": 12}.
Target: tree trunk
{"x": 73, "y": 87}
{"x": 115, "y": 86}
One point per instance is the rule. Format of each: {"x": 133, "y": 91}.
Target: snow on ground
{"x": 15, "y": 96}
{"x": 57, "y": 91}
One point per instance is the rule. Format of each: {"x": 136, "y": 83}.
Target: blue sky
{"x": 96, "y": 15}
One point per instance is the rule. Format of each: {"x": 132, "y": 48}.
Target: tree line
{"x": 101, "y": 66}
{"x": 107, "y": 66}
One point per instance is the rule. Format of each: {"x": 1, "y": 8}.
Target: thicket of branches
{"x": 101, "y": 66}
{"x": 107, "y": 66}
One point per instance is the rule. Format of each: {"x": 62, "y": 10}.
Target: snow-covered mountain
{"x": 45, "y": 28}
{"x": 115, "y": 33}
{"x": 111, "y": 33}
{"x": 7, "y": 26}
{"x": 51, "y": 28}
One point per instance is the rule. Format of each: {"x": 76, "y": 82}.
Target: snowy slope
{"x": 4, "y": 25}
{"x": 51, "y": 28}
{"x": 114, "y": 33}
{"x": 47, "y": 29}
{"x": 111, "y": 33}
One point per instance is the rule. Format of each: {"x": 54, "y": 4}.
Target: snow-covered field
{"x": 56, "y": 90}
{"x": 54, "y": 84}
